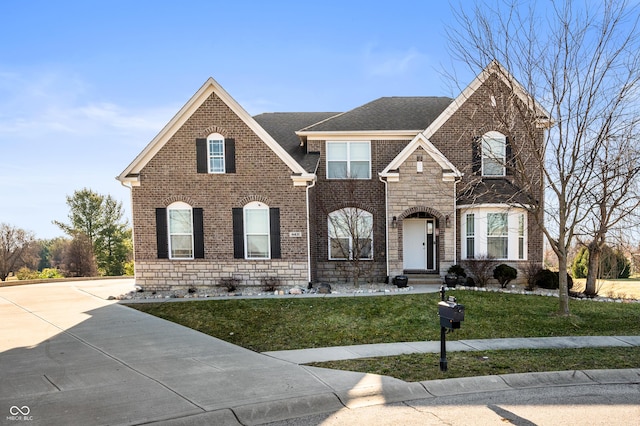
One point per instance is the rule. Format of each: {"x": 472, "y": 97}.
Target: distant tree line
{"x": 98, "y": 244}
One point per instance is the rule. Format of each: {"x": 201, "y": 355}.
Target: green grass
{"x": 289, "y": 323}
{"x": 420, "y": 367}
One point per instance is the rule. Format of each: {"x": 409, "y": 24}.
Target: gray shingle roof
{"x": 282, "y": 127}
{"x": 493, "y": 190}
{"x": 389, "y": 113}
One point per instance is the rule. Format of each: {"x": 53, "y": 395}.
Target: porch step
{"x": 424, "y": 279}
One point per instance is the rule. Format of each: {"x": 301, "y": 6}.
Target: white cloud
{"x": 380, "y": 63}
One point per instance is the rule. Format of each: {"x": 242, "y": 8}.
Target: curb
{"x": 331, "y": 402}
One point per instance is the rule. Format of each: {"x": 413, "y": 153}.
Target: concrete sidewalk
{"x": 68, "y": 356}
{"x": 337, "y": 353}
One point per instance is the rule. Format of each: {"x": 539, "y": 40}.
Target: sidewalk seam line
{"x": 104, "y": 353}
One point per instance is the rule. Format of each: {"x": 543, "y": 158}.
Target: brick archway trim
{"x": 421, "y": 209}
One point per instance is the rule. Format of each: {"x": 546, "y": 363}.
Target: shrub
{"x": 580, "y": 265}
{"x": 25, "y": 273}
{"x": 50, "y": 273}
{"x": 270, "y": 284}
{"x": 481, "y": 269}
{"x": 550, "y": 279}
{"x": 504, "y": 274}
{"x": 129, "y": 268}
{"x": 613, "y": 264}
{"x": 530, "y": 271}
{"x": 457, "y": 270}
{"x": 231, "y": 284}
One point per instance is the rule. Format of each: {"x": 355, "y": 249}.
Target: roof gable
{"x": 450, "y": 171}
{"x": 131, "y": 173}
{"x": 494, "y": 68}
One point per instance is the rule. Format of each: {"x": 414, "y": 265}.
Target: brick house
{"x": 399, "y": 185}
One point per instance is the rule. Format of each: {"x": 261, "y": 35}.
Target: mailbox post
{"x": 451, "y": 315}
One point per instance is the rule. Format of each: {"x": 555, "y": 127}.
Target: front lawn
{"x": 296, "y": 323}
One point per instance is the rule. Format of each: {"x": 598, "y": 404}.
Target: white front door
{"x": 418, "y": 244}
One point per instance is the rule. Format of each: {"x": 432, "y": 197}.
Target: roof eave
{"x": 359, "y": 134}
{"x": 209, "y": 87}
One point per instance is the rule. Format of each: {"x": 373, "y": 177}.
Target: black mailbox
{"x": 451, "y": 314}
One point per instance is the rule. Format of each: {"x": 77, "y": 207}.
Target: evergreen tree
{"x": 100, "y": 219}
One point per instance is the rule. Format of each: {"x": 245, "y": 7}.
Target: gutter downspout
{"x": 386, "y": 221}
{"x": 313, "y": 183}
{"x": 455, "y": 220}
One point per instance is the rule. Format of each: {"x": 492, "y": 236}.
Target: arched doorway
{"x": 420, "y": 242}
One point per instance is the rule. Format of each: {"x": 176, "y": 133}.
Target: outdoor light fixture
{"x": 447, "y": 221}
{"x": 394, "y": 222}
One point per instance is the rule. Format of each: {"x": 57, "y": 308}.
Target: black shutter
{"x": 162, "y": 238}
{"x": 476, "y": 156}
{"x": 274, "y": 232}
{"x": 230, "y": 155}
{"x": 198, "y": 234}
{"x": 201, "y": 156}
{"x": 509, "y": 157}
{"x": 238, "y": 233}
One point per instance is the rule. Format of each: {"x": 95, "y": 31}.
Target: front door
{"x": 419, "y": 244}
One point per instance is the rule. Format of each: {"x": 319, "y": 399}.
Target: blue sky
{"x": 85, "y": 85}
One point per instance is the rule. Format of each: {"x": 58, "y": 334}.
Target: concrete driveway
{"x": 68, "y": 356}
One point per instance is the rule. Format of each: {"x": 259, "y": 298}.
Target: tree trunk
{"x": 595, "y": 251}
{"x": 563, "y": 289}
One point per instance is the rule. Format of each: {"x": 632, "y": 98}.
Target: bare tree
{"x": 15, "y": 245}
{"x": 78, "y": 259}
{"x": 582, "y": 62}
{"x": 351, "y": 238}
{"x": 614, "y": 199}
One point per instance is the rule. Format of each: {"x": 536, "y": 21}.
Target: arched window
{"x": 180, "y": 229}
{"x": 216, "y": 154}
{"x": 256, "y": 231}
{"x": 350, "y": 234}
{"x": 494, "y": 154}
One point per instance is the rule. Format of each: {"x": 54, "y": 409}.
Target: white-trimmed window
{"x": 350, "y": 234}
{"x": 470, "y": 235}
{"x": 521, "y": 240}
{"x": 348, "y": 160}
{"x": 256, "y": 231}
{"x": 494, "y": 154}
{"x": 498, "y": 235}
{"x": 180, "y": 229}
{"x": 495, "y": 231}
{"x": 215, "y": 150}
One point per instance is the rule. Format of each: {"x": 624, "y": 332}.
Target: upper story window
{"x": 215, "y": 149}
{"x": 494, "y": 154}
{"x": 256, "y": 231}
{"x": 348, "y": 160}
{"x": 180, "y": 229}
{"x": 215, "y": 154}
{"x": 350, "y": 234}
